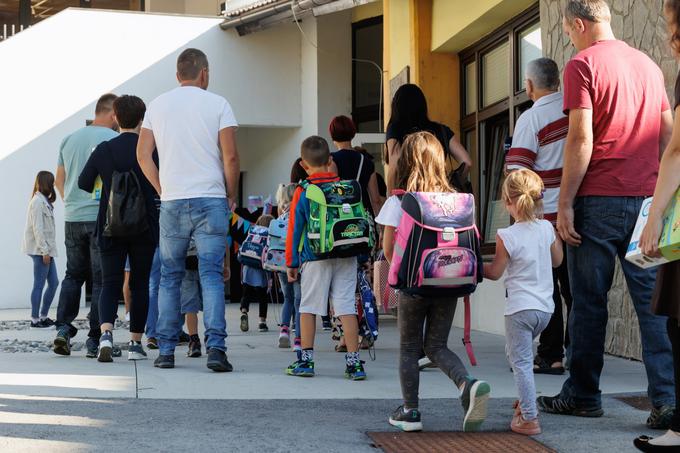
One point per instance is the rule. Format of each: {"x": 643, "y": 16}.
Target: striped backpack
{"x": 437, "y": 251}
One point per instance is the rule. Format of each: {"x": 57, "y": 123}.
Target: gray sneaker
{"x": 136, "y": 351}
{"x": 474, "y": 400}
{"x": 105, "y": 347}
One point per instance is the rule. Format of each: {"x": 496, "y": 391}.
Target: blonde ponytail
{"x": 525, "y": 189}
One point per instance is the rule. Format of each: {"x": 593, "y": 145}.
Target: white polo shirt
{"x": 185, "y": 123}
{"x": 538, "y": 144}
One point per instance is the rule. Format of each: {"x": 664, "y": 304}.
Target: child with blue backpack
{"x": 291, "y": 290}
{"x": 327, "y": 230}
{"x": 255, "y": 280}
{"x": 529, "y": 249}
{"x": 421, "y": 173}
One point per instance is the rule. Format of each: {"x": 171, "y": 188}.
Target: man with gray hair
{"x": 538, "y": 144}
{"x": 619, "y": 123}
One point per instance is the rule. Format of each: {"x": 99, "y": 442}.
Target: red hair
{"x": 342, "y": 129}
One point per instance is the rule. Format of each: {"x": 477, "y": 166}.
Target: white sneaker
{"x": 425, "y": 362}
{"x": 284, "y": 339}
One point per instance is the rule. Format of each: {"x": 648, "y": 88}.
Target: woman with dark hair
{"x": 666, "y": 299}
{"x": 409, "y": 115}
{"x": 119, "y": 156}
{"x": 354, "y": 163}
{"x": 40, "y": 244}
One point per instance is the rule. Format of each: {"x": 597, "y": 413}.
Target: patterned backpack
{"x": 252, "y": 250}
{"x": 275, "y": 252}
{"x": 338, "y": 225}
{"x": 437, "y": 251}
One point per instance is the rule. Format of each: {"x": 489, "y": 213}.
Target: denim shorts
{"x": 192, "y": 299}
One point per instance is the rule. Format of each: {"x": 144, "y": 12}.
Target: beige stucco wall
{"x": 641, "y": 24}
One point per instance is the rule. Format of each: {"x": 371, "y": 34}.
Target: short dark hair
{"x": 190, "y": 63}
{"x": 129, "y": 111}
{"x": 590, "y": 10}
{"x": 544, "y": 74}
{"x": 105, "y": 103}
{"x": 342, "y": 129}
{"x": 315, "y": 151}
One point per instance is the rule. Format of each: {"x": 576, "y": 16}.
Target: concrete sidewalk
{"x": 259, "y": 398}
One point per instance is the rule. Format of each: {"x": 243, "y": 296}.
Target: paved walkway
{"x": 75, "y": 404}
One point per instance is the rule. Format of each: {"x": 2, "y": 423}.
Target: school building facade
{"x": 286, "y": 80}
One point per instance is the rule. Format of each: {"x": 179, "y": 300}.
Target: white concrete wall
{"x": 53, "y": 92}
{"x": 487, "y": 308}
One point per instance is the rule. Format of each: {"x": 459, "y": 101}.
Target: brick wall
{"x": 641, "y": 24}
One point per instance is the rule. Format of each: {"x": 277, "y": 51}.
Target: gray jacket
{"x": 40, "y": 233}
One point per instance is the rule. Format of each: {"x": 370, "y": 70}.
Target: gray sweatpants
{"x": 521, "y": 329}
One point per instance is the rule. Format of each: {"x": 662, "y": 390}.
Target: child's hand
{"x": 226, "y": 273}
{"x": 292, "y": 275}
{"x": 47, "y": 260}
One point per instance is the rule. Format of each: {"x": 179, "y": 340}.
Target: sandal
{"x": 542, "y": 366}
{"x": 340, "y": 348}
{"x": 642, "y": 444}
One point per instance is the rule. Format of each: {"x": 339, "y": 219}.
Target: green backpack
{"x": 338, "y": 225}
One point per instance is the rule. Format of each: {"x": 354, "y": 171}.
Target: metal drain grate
{"x": 454, "y": 442}
{"x": 641, "y": 403}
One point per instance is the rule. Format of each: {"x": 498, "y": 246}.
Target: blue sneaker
{"x": 301, "y": 368}
{"x": 356, "y": 372}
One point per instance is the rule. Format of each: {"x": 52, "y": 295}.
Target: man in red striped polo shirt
{"x": 538, "y": 144}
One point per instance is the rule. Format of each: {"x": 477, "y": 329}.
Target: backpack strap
{"x": 361, "y": 167}
{"x": 466, "y": 333}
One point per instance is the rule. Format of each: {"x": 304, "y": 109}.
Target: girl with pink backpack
{"x": 433, "y": 247}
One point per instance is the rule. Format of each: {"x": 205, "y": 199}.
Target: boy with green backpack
{"x": 328, "y": 228}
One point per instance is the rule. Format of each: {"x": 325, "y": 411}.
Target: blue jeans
{"x": 154, "y": 284}
{"x": 291, "y": 302}
{"x": 606, "y": 225}
{"x": 43, "y": 273}
{"x": 206, "y": 220}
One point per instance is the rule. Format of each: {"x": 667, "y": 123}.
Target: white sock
{"x": 669, "y": 439}
{"x": 35, "y": 320}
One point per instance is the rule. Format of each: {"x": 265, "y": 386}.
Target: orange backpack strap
{"x": 466, "y": 333}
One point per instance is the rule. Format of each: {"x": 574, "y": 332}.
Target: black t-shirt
{"x": 119, "y": 154}
{"x": 443, "y": 133}
{"x": 348, "y": 162}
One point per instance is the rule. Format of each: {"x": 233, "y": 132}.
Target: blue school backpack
{"x": 275, "y": 251}
{"x": 369, "y": 322}
{"x": 252, "y": 250}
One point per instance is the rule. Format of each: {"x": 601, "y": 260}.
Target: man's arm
{"x": 665, "y": 131}
{"x": 230, "y": 160}
{"x": 145, "y": 147}
{"x": 578, "y": 150}
{"x": 59, "y": 180}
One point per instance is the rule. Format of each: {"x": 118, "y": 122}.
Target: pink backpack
{"x": 437, "y": 251}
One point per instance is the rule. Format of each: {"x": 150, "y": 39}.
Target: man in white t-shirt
{"x": 194, "y": 131}
{"x": 538, "y": 144}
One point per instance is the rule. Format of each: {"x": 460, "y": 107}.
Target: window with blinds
{"x": 495, "y": 70}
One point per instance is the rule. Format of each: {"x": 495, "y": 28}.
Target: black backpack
{"x": 126, "y": 212}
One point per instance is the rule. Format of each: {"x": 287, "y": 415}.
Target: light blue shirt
{"x": 74, "y": 151}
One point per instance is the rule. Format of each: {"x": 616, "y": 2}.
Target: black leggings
{"x": 255, "y": 294}
{"x": 412, "y": 314}
{"x": 140, "y": 251}
{"x": 674, "y": 336}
